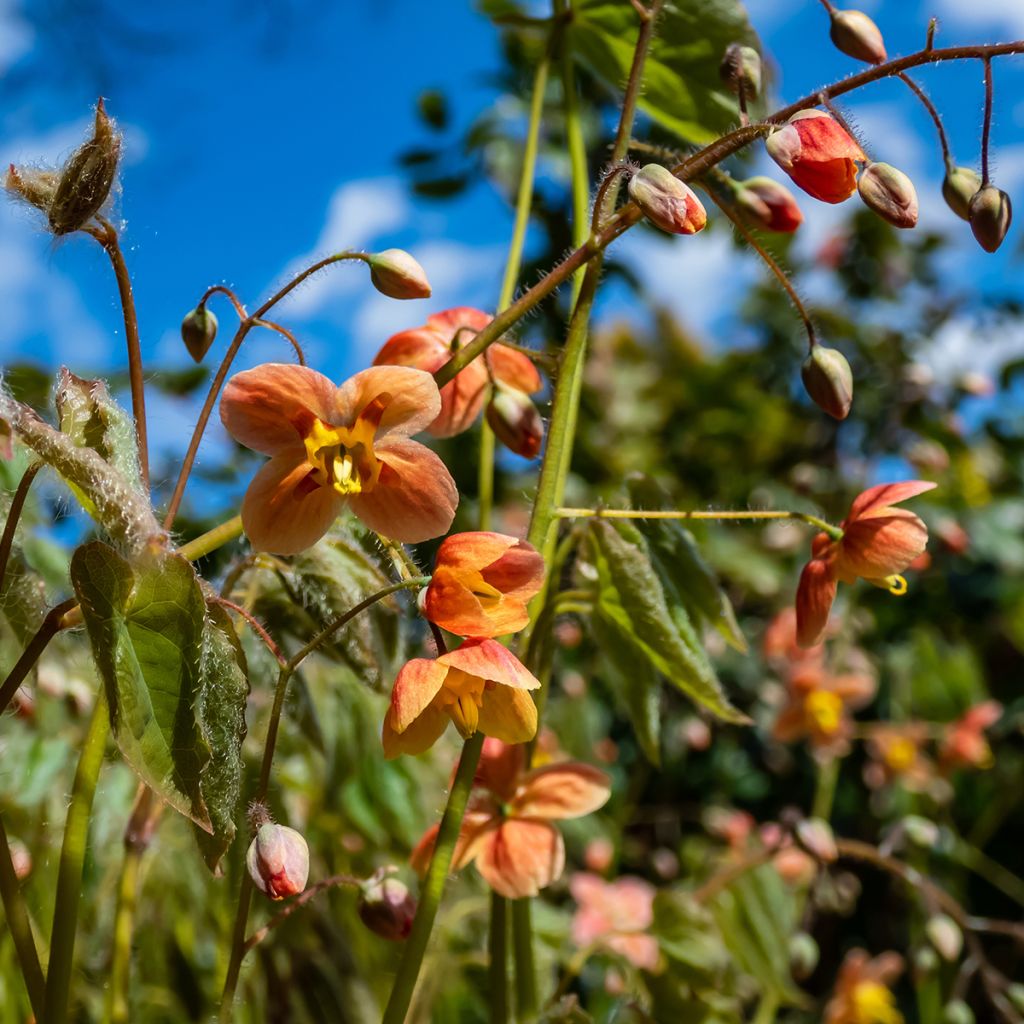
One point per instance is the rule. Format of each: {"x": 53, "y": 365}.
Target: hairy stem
{"x": 20, "y": 927}
{"x": 300, "y": 901}
{"x": 11, "y": 525}
{"x": 627, "y": 513}
{"x": 48, "y": 629}
{"x": 986, "y": 128}
{"x": 947, "y": 159}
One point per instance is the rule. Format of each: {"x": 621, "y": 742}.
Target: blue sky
{"x": 262, "y": 136}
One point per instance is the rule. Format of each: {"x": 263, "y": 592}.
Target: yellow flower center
{"x": 825, "y": 710}
{"x": 901, "y": 754}
{"x": 343, "y": 457}
{"x": 874, "y": 1004}
{"x": 897, "y": 585}
{"x": 462, "y": 696}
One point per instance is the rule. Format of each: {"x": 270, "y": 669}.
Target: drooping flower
{"x": 480, "y": 685}
{"x": 878, "y": 542}
{"x": 507, "y": 829}
{"x": 431, "y": 346}
{"x": 964, "y": 744}
{"x": 481, "y": 584}
{"x": 818, "y": 154}
{"x": 333, "y": 447}
{"x": 862, "y": 994}
{"x": 617, "y": 916}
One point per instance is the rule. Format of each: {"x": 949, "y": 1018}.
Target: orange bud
{"x": 856, "y": 35}
{"x": 667, "y": 202}
{"x": 515, "y": 421}
{"x": 278, "y": 861}
{"x": 198, "y": 330}
{"x": 890, "y": 193}
{"x": 769, "y": 204}
{"x": 387, "y": 907}
{"x": 397, "y": 275}
{"x": 990, "y": 214}
{"x": 818, "y": 154}
{"x": 828, "y": 379}
{"x": 959, "y": 187}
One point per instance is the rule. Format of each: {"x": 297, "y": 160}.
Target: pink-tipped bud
{"x": 278, "y": 861}
{"x": 828, "y": 379}
{"x": 856, "y": 35}
{"x": 397, "y": 275}
{"x": 198, "y": 330}
{"x": 990, "y": 214}
{"x": 387, "y": 907}
{"x": 667, "y": 202}
{"x": 945, "y": 935}
{"x": 959, "y": 187}
{"x": 890, "y": 193}
{"x": 815, "y": 836}
{"x": 769, "y": 204}
{"x": 741, "y": 64}
{"x": 515, "y": 421}
{"x": 31, "y": 185}
{"x": 21, "y": 859}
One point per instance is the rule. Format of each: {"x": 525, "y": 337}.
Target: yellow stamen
{"x": 900, "y": 755}
{"x": 462, "y": 697}
{"x": 897, "y": 585}
{"x": 873, "y": 1003}
{"x": 825, "y": 709}
{"x": 343, "y": 457}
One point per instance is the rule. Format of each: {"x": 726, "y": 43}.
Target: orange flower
{"x": 482, "y": 583}
{"x": 862, "y": 994}
{"x": 480, "y": 685}
{"x": 507, "y": 828}
{"x": 333, "y": 447}
{"x": 875, "y": 542}
{"x": 964, "y": 745}
{"x": 617, "y": 916}
{"x": 431, "y": 346}
{"x": 897, "y": 755}
{"x": 818, "y": 154}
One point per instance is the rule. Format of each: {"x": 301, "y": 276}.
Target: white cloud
{"x": 963, "y": 345}
{"x": 16, "y": 34}
{"x": 1004, "y": 15}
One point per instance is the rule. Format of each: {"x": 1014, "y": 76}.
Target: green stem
{"x": 20, "y": 927}
{"x": 767, "y": 1008}
{"x": 72, "y": 862}
{"x": 526, "y": 973}
{"x": 576, "y": 145}
{"x": 433, "y": 884}
{"x": 497, "y": 971}
{"x": 485, "y": 476}
{"x": 51, "y": 625}
{"x": 825, "y": 789}
{"x": 212, "y": 539}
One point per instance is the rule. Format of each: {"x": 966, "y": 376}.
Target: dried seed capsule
{"x": 829, "y": 381}
{"x": 959, "y": 187}
{"x": 990, "y": 214}
{"x": 397, "y": 275}
{"x": 198, "y": 330}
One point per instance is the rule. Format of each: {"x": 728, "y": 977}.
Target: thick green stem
{"x": 20, "y": 927}
{"x": 212, "y": 539}
{"x": 433, "y": 885}
{"x": 526, "y": 973}
{"x": 497, "y": 968}
{"x": 72, "y": 862}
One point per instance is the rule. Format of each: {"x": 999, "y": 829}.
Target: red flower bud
{"x": 890, "y": 193}
{"x": 515, "y": 421}
{"x": 818, "y": 154}
{"x": 829, "y": 381}
{"x": 278, "y": 861}
{"x": 198, "y": 330}
{"x": 387, "y": 907}
{"x": 667, "y": 202}
{"x": 741, "y": 64}
{"x": 959, "y": 187}
{"x": 397, "y": 275}
{"x": 856, "y": 35}
{"x": 990, "y": 214}
{"x": 769, "y": 204}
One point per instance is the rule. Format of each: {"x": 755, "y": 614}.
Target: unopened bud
{"x": 198, "y": 330}
{"x": 21, "y": 859}
{"x": 769, "y": 204}
{"x": 990, "y": 214}
{"x": 945, "y": 935}
{"x": 87, "y": 177}
{"x": 803, "y": 955}
{"x": 815, "y": 836}
{"x": 828, "y": 379}
{"x": 33, "y": 186}
{"x": 742, "y": 64}
{"x": 667, "y": 202}
{"x": 890, "y": 193}
{"x": 387, "y": 907}
{"x": 856, "y": 35}
{"x": 397, "y": 275}
{"x": 920, "y": 831}
{"x": 959, "y": 187}
{"x": 515, "y": 420}
{"x": 278, "y": 861}
{"x": 957, "y": 1012}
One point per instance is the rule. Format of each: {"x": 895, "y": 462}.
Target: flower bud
{"x": 278, "y": 861}
{"x": 959, "y": 187}
{"x": 198, "y": 330}
{"x": 387, "y": 907}
{"x": 815, "y": 836}
{"x": 890, "y": 193}
{"x": 741, "y": 64}
{"x": 990, "y": 214}
{"x": 828, "y": 379}
{"x": 856, "y": 35}
{"x": 803, "y": 955}
{"x": 667, "y": 202}
{"x": 945, "y": 935}
{"x": 957, "y": 1012}
{"x": 925, "y": 962}
{"x": 769, "y": 204}
{"x": 515, "y": 421}
{"x": 920, "y": 831}
{"x": 87, "y": 177}
{"x": 397, "y": 275}
{"x": 35, "y": 187}
{"x": 21, "y": 859}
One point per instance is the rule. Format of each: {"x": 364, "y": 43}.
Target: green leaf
{"x": 682, "y": 89}
{"x": 631, "y": 601}
{"x": 146, "y": 625}
{"x": 687, "y": 934}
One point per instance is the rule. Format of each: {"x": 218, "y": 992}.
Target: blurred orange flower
{"x": 897, "y": 755}
{"x": 964, "y": 744}
{"x": 479, "y": 685}
{"x": 507, "y": 828}
{"x": 862, "y": 994}
{"x": 333, "y": 447}
{"x": 617, "y": 916}
{"x": 482, "y": 583}
{"x": 431, "y": 346}
{"x": 878, "y": 542}
{"x": 818, "y": 707}
{"x": 818, "y": 154}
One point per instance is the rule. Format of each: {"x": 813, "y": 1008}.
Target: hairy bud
{"x": 31, "y": 185}
{"x": 769, "y": 204}
{"x": 515, "y": 421}
{"x": 397, "y": 275}
{"x": 890, "y": 193}
{"x": 278, "y": 861}
{"x": 198, "y": 330}
{"x": 829, "y": 381}
{"x": 742, "y": 64}
{"x": 87, "y": 177}
{"x": 803, "y": 955}
{"x": 387, "y": 907}
{"x": 667, "y": 202}
{"x": 856, "y": 35}
{"x": 990, "y": 214}
{"x": 959, "y": 187}
{"x": 945, "y": 935}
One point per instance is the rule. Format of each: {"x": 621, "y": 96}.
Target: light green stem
{"x": 72, "y": 862}
{"x": 20, "y": 927}
{"x": 526, "y": 974}
{"x": 497, "y": 968}
{"x": 212, "y": 539}
{"x": 124, "y": 920}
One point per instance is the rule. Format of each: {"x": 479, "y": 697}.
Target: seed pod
{"x": 741, "y": 64}
{"x": 397, "y": 275}
{"x": 278, "y": 861}
{"x": 87, "y": 177}
{"x": 515, "y": 421}
{"x": 35, "y": 187}
{"x": 890, "y": 193}
{"x": 198, "y": 330}
{"x": 990, "y": 214}
{"x": 856, "y": 35}
{"x": 959, "y": 187}
{"x": 829, "y": 381}
{"x": 667, "y": 202}
{"x": 387, "y": 907}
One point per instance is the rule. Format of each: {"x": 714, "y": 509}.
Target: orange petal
{"x": 567, "y": 790}
{"x": 521, "y": 857}
{"x": 514, "y": 369}
{"x": 499, "y": 769}
{"x": 417, "y": 685}
{"x": 876, "y": 498}
{"x": 419, "y": 735}
{"x": 489, "y": 660}
{"x": 519, "y": 572}
{"x": 874, "y": 547}
{"x": 822, "y": 138}
{"x": 832, "y": 181}
{"x": 814, "y": 598}
{"x": 415, "y": 497}
{"x": 462, "y": 398}
{"x": 448, "y": 321}
{"x": 279, "y": 515}
{"x": 855, "y": 690}
{"x": 639, "y": 949}
{"x": 477, "y": 822}
{"x": 269, "y": 408}
{"x": 791, "y": 724}
{"x": 419, "y": 347}
{"x": 508, "y": 714}
{"x": 414, "y": 402}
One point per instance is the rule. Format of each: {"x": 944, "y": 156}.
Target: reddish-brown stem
{"x": 257, "y": 626}
{"x": 220, "y": 289}
{"x": 986, "y": 130}
{"x": 48, "y": 629}
{"x": 286, "y": 334}
{"x": 11, "y": 526}
{"x": 933, "y": 113}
